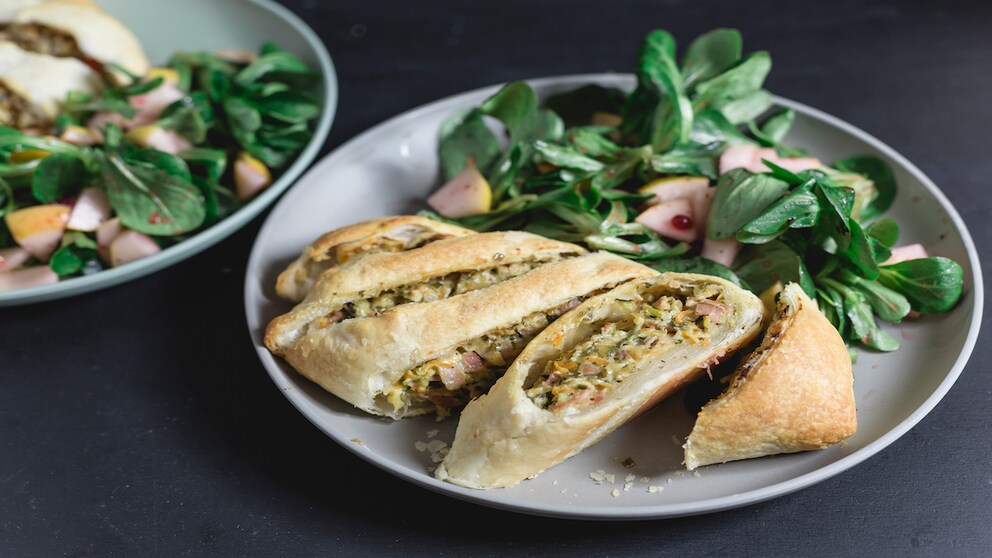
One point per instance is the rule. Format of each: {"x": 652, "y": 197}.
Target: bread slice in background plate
{"x": 595, "y": 368}
{"x": 387, "y": 234}
{"x": 794, "y": 393}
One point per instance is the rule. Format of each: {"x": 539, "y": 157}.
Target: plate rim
{"x": 224, "y": 228}
{"x": 642, "y": 512}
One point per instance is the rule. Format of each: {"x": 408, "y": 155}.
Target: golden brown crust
{"x": 360, "y": 359}
{"x": 794, "y": 393}
{"x": 503, "y": 437}
{"x": 340, "y": 245}
{"x": 377, "y": 272}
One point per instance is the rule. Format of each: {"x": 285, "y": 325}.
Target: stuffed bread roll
{"x": 434, "y": 357}
{"x": 9, "y": 8}
{"x": 81, "y": 32}
{"x": 377, "y": 282}
{"x": 795, "y": 392}
{"x": 33, "y": 86}
{"x": 389, "y": 234}
{"x": 594, "y": 369}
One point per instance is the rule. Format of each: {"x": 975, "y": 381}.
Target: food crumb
{"x": 669, "y": 481}
{"x": 432, "y": 433}
{"x": 629, "y": 478}
{"x": 628, "y": 463}
{"x": 627, "y": 486}
{"x": 655, "y": 489}
{"x": 696, "y": 474}
{"x": 358, "y": 441}
{"x": 610, "y": 477}
{"x": 421, "y": 446}
{"x": 564, "y": 490}
{"x": 615, "y": 493}
{"x": 645, "y": 480}
{"x": 598, "y": 476}
{"x": 679, "y": 473}
{"x": 554, "y": 482}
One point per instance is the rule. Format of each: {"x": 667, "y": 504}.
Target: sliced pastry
{"x": 413, "y": 359}
{"x": 388, "y": 234}
{"x": 597, "y": 367}
{"x": 78, "y": 31}
{"x": 795, "y": 392}
{"x": 33, "y": 86}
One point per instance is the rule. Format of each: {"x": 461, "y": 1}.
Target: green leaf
{"x": 741, "y": 80}
{"x": 288, "y": 106}
{"x": 58, "y": 176}
{"x": 932, "y": 285}
{"x": 173, "y": 165}
{"x": 658, "y": 112}
{"x": 566, "y": 157}
{"x": 515, "y": 106}
{"x": 887, "y": 303}
{"x": 747, "y": 107}
{"x": 466, "y": 139}
{"x": 879, "y": 172}
{"x": 275, "y": 62}
{"x": 798, "y": 209}
{"x": 711, "y": 126}
{"x": 698, "y": 264}
{"x": 740, "y": 197}
{"x": 761, "y": 265}
{"x": 709, "y": 55}
{"x": 150, "y": 200}
{"x": 885, "y": 230}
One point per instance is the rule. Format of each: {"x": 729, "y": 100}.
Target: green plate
{"x": 167, "y": 27}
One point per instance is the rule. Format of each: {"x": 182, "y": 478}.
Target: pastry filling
{"x": 584, "y": 375}
{"x": 45, "y": 40}
{"x": 452, "y": 380}
{"x": 18, "y": 113}
{"x": 433, "y": 289}
{"x": 395, "y": 241}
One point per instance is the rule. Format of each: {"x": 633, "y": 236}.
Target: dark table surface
{"x": 137, "y": 421}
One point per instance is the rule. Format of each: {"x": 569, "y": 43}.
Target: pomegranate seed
{"x": 682, "y": 222}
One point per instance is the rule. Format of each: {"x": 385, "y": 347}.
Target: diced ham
{"x": 453, "y": 377}
{"x": 905, "y": 253}
{"x": 472, "y": 362}
{"x": 27, "y": 277}
{"x": 11, "y": 258}
{"x": 91, "y": 209}
{"x": 710, "y": 308}
{"x": 750, "y": 157}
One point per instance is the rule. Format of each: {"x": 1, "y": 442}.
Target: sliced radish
{"x": 251, "y": 176}
{"x": 905, "y": 253}
{"x": 151, "y": 104}
{"x": 106, "y": 234}
{"x": 721, "y": 251}
{"x": 159, "y": 138}
{"x": 750, "y": 157}
{"x": 129, "y": 246}
{"x": 77, "y": 135}
{"x": 465, "y": 195}
{"x": 27, "y": 277}
{"x": 92, "y": 208}
{"x": 39, "y": 228}
{"x": 671, "y": 219}
{"x": 14, "y": 257}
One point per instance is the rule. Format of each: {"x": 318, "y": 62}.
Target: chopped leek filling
{"x": 16, "y": 112}
{"x": 468, "y": 371}
{"x": 398, "y": 242}
{"x": 45, "y": 40}
{"x": 585, "y": 374}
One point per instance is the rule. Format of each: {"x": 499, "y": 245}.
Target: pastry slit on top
{"x": 399, "y": 240}
{"x": 650, "y": 327}
{"x": 452, "y": 379}
{"x": 430, "y": 290}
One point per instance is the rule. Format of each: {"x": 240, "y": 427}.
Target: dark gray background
{"x": 137, "y": 421}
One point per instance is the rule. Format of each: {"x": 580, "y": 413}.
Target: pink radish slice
{"x": 672, "y": 219}
{"x": 167, "y": 140}
{"x": 27, "y": 277}
{"x": 905, "y": 253}
{"x": 465, "y": 195}
{"x": 151, "y": 104}
{"x": 750, "y": 157}
{"x": 41, "y": 244}
{"x": 11, "y": 258}
{"x": 106, "y": 234}
{"x": 129, "y": 246}
{"x": 721, "y": 251}
{"x": 90, "y": 211}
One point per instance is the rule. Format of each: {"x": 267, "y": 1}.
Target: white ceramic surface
{"x": 391, "y": 168}
{"x": 165, "y": 28}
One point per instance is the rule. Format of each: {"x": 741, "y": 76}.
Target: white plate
{"x": 391, "y": 168}
{"x": 165, "y": 28}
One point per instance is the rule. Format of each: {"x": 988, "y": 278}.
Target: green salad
{"x": 131, "y": 169}
{"x": 690, "y": 172}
